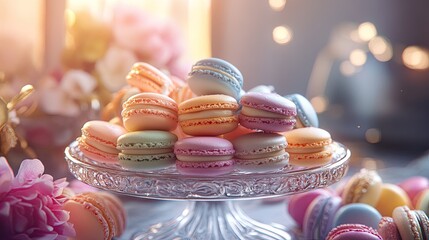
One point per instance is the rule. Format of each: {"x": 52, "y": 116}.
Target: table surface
{"x": 395, "y": 167}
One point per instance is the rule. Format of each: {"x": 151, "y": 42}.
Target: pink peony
{"x": 31, "y": 203}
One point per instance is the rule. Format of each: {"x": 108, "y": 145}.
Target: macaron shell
{"x": 95, "y": 154}
{"x": 391, "y": 197}
{"x": 357, "y": 213}
{"x": 205, "y": 169}
{"x": 209, "y": 126}
{"x": 103, "y": 132}
{"x": 149, "y": 79}
{"x": 299, "y": 203}
{"x": 310, "y": 137}
{"x": 387, "y": 229}
{"x": 407, "y": 223}
{"x": 266, "y": 164}
{"x": 306, "y": 115}
{"x": 146, "y": 162}
{"x": 353, "y": 232}
{"x": 208, "y": 102}
{"x": 258, "y": 143}
{"x": 310, "y": 159}
{"x": 422, "y": 201}
{"x": 363, "y": 187}
{"x": 270, "y": 102}
{"x": 267, "y": 124}
{"x": 203, "y": 146}
{"x": 423, "y": 220}
{"x": 150, "y": 139}
{"x": 414, "y": 185}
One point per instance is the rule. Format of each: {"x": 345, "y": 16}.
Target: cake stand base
{"x": 212, "y": 220}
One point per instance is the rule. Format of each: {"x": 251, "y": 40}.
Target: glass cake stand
{"x": 210, "y": 213}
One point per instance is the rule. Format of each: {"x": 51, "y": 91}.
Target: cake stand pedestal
{"x": 211, "y": 212}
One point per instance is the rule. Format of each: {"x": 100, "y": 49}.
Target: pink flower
{"x": 31, "y": 203}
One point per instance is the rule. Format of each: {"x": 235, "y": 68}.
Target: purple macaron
{"x": 268, "y": 112}
{"x": 319, "y": 217}
{"x": 204, "y": 156}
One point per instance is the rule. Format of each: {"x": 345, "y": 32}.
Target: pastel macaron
{"x": 146, "y": 150}
{"x": 414, "y": 185}
{"x": 268, "y": 112}
{"x": 149, "y": 111}
{"x": 298, "y": 204}
{"x": 388, "y": 230}
{"x": 421, "y": 201}
{"x": 204, "y": 156}
{"x": 319, "y": 217}
{"x": 259, "y": 152}
{"x": 208, "y": 115}
{"x": 215, "y": 76}
{"x": 357, "y": 213}
{"x": 353, "y": 232}
{"x": 408, "y": 224}
{"x": 391, "y": 197}
{"x": 93, "y": 217}
{"x": 306, "y": 115}
{"x": 148, "y": 78}
{"x": 98, "y": 140}
{"x": 309, "y": 147}
{"x": 363, "y": 187}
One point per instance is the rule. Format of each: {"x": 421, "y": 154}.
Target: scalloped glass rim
{"x": 170, "y": 184}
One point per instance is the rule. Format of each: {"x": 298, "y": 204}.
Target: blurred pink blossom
{"x": 154, "y": 40}
{"x": 31, "y": 203}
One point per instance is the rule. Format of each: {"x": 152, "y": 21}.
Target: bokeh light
{"x": 367, "y": 31}
{"x": 415, "y": 58}
{"x": 357, "y": 57}
{"x": 282, "y": 34}
{"x": 373, "y": 135}
{"x": 347, "y": 68}
{"x": 380, "y": 48}
{"x": 320, "y": 103}
{"x": 277, "y": 5}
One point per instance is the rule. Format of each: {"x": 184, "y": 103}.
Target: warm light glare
{"x": 282, "y": 35}
{"x": 277, "y": 5}
{"x": 380, "y": 48}
{"x": 70, "y": 17}
{"x": 319, "y": 103}
{"x": 367, "y": 31}
{"x": 347, "y": 68}
{"x": 357, "y": 57}
{"x": 415, "y": 58}
{"x": 373, "y": 135}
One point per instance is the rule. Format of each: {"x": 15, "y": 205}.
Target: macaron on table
{"x": 210, "y": 170}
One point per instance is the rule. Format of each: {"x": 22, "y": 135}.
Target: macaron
{"x": 146, "y": 150}
{"x": 260, "y": 152}
{"x": 363, "y": 187}
{"x": 115, "y": 205}
{"x": 268, "y": 112}
{"x": 407, "y": 223}
{"x": 204, "y": 156}
{"x": 388, "y": 230}
{"x": 215, "y": 76}
{"x": 91, "y": 217}
{"x": 357, "y": 213}
{"x": 423, "y": 220}
{"x": 421, "y": 201}
{"x": 353, "y": 232}
{"x": 414, "y": 185}
{"x": 391, "y": 197}
{"x": 148, "y": 78}
{"x": 298, "y": 204}
{"x": 319, "y": 217}
{"x": 208, "y": 115}
{"x": 98, "y": 140}
{"x": 309, "y": 147}
{"x": 306, "y": 115}
{"x": 149, "y": 111}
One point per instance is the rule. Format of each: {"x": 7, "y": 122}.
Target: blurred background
{"x": 364, "y": 65}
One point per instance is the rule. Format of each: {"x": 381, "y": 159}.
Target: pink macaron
{"x": 298, "y": 204}
{"x": 353, "y": 232}
{"x": 204, "y": 156}
{"x": 414, "y": 185}
{"x": 98, "y": 141}
{"x": 268, "y": 112}
{"x": 387, "y": 229}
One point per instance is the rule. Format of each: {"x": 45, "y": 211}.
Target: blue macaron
{"x": 357, "y": 213}
{"x": 215, "y": 76}
{"x": 306, "y": 115}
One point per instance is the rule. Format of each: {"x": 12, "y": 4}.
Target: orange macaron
{"x": 308, "y": 146}
{"x": 208, "y": 115}
{"x": 149, "y": 111}
{"x": 149, "y": 79}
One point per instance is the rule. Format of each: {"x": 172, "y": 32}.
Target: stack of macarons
{"x": 154, "y": 111}
{"x": 364, "y": 200}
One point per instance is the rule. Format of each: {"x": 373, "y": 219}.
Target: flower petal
{"x": 6, "y": 176}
